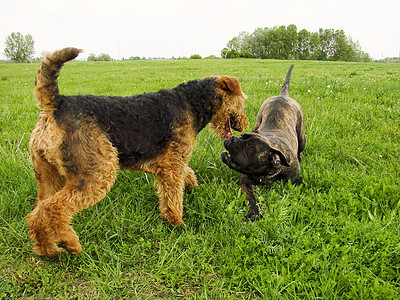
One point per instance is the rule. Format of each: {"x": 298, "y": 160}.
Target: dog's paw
{"x": 172, "y": 219}
{"x": 74, "y": 248}
{"x": 297, "y": 181}
{"x": 51, "y": 250}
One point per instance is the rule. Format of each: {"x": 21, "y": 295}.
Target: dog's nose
{"x": 234, "y": 139}
{"x": 228, "y": 142}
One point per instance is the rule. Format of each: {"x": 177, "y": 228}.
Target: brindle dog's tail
{"x": 46, "y": 78}
{"x": 285, "y": 86}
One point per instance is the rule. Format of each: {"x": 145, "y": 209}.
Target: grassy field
{"x": 335, "y": 237}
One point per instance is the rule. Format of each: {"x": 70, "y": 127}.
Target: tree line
{"x": 288, "y": 43}
{"x": 269, "y": 43}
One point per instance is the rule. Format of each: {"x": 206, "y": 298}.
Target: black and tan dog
{"x": 80, "y": 142}
{"x": 273, "y": 150}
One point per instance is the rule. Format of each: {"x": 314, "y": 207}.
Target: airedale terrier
{"x": 80, "y": 142}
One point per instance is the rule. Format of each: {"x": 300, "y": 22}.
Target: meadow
{"x": 335, "y": 237}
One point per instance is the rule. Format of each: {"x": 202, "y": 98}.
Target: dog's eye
{"x": 250, "y": 146}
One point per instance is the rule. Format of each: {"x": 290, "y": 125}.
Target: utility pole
{"x": 118, "y": 58}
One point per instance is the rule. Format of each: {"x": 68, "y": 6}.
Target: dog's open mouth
{"x": 231, "y": 124}
{"x": 275, "y": 173}
{"x": 227, "y": 159}
{"x": 228, "y": 129}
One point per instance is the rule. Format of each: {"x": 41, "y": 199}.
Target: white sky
{"x": 166, "y": 28}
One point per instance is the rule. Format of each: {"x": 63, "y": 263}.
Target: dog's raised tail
{"x": 46, "y": 78}
{"x": 285, "y": 86}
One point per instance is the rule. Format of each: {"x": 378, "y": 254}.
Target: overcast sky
{"x": 166, "y": 28}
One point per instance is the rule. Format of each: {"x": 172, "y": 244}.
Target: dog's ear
{"x": 278, "y": 158}
{"x": 230, "y": 84}
{"x": 279, "y": 152}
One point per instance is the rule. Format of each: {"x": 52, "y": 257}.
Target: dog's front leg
{"x": 170, "y": 185}
{"x": 247, "y": 188}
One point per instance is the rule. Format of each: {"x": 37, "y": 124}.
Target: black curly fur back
{"x": 140, "y": 126}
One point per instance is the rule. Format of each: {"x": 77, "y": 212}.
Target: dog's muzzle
{"x": 227, "y": 159}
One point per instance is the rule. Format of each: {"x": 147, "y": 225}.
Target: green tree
{"x": 272, "y": 44}
{"x": 232, "y": 54}
{"x": 239, "y": 43}
{"x": 246, "y": 54}
{"x": 286, "y": 43}
{"x": 257, "y": 43}
{"x": 100, "y": 57}
{"x": 327, "y": 45}
{"x": 195, "y": 56}
{"x": 291, "y": 41}
{"x": 224, "y": 52}
{"x": 234, "y": 44}
{"x": 104, "y": 57}
{"x": 315, "y": 51}
{"x": 19, "y": 48}
{"x": 343, "y": 50}
{"x": 283, "y": 43}
{"x": 360, "y": 55}
{"x": 303, "y": 49}
{"x": 91, "y": 57}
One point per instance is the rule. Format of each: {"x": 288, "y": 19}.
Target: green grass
{"x": 337, "y": 236}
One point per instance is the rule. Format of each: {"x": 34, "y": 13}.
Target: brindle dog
{"x": 273, "y": 150}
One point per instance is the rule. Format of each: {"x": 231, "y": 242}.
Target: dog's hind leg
{"x": 86, "y": 182}
{"x": 301, "y": 137}
{"x": 49, "y": 222}
{"x": 49, "y": 179}
{"x": 50, "y": 182}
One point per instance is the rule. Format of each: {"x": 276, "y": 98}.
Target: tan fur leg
{"x": 170, "y": 190}
{"x": 48, "y": 219}
{"x": 49, "y": 222}
{"x": 49, "y": 179}
{"x": 92, "y": 177}
{"x": 41, "y": 233}
{"x": 190, "y": 179}
{"x": 170, "y": 179}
